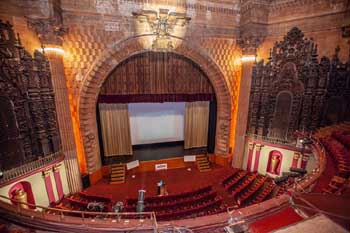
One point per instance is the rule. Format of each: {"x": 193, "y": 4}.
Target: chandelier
{"x": 162, "y": 24}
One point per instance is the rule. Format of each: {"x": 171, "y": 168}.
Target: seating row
{"x": 335, "y": 186}
{"x": 267, "y": 189}
{"x": 235, "y": 179}
{"x": 250, "y": 191}
{"x": 246, "y": 182}
{"x": 229, "y": 176}
{"x": 339, "y": 153}
{"x": 192, "y": 211}
{"x": 343, "y": 137}
{"x": 175, "y": 204}
{"x": 171, "y": 198}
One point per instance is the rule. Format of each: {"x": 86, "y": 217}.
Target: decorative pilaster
{"x": 58, "y": 181}
{"x": 296, "y": 158}
{"x": 257, "y": 157}
{"x": 248, "y": 45}
{"x": 304, "y": 161}
{"x": 48, "y": 186}
{"x": 250, "y": 155}
{"x": 50, "y": 32}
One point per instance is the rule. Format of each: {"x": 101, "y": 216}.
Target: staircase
{"x": 117, "y": 174}
{"x": 203, "y": 163}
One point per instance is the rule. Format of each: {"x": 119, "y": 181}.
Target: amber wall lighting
{"x": 248, "y": 58}
{"x": 53, "y": 49}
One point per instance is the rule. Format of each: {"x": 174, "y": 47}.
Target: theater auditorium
{"x": 159, "y": 116}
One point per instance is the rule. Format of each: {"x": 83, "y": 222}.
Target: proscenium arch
{"x": 119, "y": 52}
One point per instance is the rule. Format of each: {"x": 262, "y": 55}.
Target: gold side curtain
{"x": 115, "y": 126}
{"x": 196, "y": 124}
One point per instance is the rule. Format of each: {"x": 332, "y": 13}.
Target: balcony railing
{"x": 272, "y": 140}
{"x": 31, "y": 166}
{"x": 70, "y": 219}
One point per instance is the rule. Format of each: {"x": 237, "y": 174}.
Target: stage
{"x": 155, "y": 151}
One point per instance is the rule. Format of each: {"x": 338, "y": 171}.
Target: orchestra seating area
{"x": 234, "y": 187}
{"x": 336, "y": 141}
{"x": 200, "y": 202}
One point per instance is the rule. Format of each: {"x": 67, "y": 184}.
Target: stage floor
{"x": 155, "y": 151}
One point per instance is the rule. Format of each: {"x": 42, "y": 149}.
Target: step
{"x": 117, "y": 175}
{"x": 117, "y": 171}
{"x": 117, "y": 179}
{"x": 117, "y": 182}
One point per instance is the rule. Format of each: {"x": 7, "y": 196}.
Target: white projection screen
{"x": 156, "y": 122}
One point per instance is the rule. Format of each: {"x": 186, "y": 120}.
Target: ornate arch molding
{"x": 119, "y": 52}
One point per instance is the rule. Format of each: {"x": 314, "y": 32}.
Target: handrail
{"x": 310, "y": 179}
{"x": 84, "y": 215}
{"x": 31, "y": 166}
{"x": 272, "y": 140}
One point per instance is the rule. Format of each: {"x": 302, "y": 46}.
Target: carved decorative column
{"x": 257, "y": 157}
{"x": 48, "y": 186}
{"x": 304, "y": 161}
{"x": 50, "y": 33}
{"x": 250, "y": 155}
{"x": 58, "y": 181}
{"x": 296, "y": 158}
{"x": 249, "y": 46}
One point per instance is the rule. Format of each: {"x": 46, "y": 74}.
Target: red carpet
{"x": 283, "y": 218}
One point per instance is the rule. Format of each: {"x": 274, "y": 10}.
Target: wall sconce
{"x": 248, "y": 58}
{"x": 53, "y": 49}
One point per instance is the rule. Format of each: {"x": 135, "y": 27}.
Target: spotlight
{"x": 1, "y": 174}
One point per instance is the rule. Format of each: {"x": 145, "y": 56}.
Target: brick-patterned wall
{"x": 226, "y": 53}
{"x": 87, "y": 42}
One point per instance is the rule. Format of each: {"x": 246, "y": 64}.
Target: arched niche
{"x": 27, "y": 188}
{"x": 274, "y": 162}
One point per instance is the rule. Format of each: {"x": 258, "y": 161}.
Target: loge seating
{"x": 235, "y": 179}
{"x": 252, "y": 189}
{"x": 248, "y": 187}
{"x": 266, "y": 191}
{"x": 339, "y": 153}
{"x": 248, "y": 180}
{"x": 343, "y": 137}
{"x": 229, "y": 176}
{"x": 336, "y": 185}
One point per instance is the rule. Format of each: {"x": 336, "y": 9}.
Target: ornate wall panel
{"x": 319, "y": 91}
{"x": 27, "y": 103}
